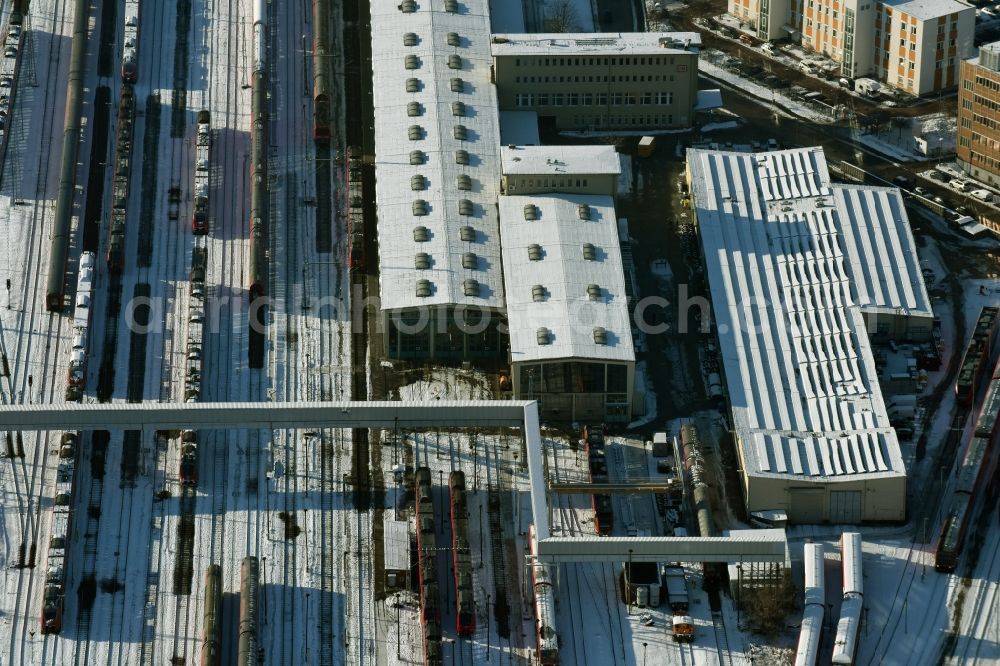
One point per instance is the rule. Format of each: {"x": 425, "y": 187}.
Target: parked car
{"x": 769, "y": 49}
{"x": 920, "y": 191}
{"x": 982, "y": 195}
{"x": 940, "y": 176}
{"x": 960, "y": 185}
{"x": 901, "y": 181}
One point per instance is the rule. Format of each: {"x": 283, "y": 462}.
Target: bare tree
{"x": 561, "y": 17}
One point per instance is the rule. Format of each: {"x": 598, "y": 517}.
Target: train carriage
{"x": 546, "y": 637}
{"x": 465, "y": 607}
{"x": 430, "y": 609}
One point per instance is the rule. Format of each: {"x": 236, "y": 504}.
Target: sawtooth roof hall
{"x": 801, "y": 272}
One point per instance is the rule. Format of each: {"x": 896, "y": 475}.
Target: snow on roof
{"x": 607, "y": 43}
{"x": 396, "y": 542}
{"x": 559, "y": 160}
{"x": 882, "y": 256}
{"x": 418, "y": 139}
{"x": 923, "y": 10}
{"x": 787, "y": 256}
{"x": 519, "y": 127}
{"x": 565, "y": 308}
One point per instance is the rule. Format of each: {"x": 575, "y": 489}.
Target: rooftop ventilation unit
{"x": 421, "y": 261}
{"x": 594, "y": 292}
{"x": 411, "y": 62}
{"x": 417, "y": 157}
{"x": 467, "y": 234}
{"x": 460, "y": 133}
{"x": 410, "y": 39}
{"x": 421, "y": 234}
{"x": 418, "y": 182}
{"x": 470, "y": 261}
{"x": 538, "y": 293}
{"x": 451, "y": 6}
{"x": 530, "y": 212}
{"x": 583, "y": 210}
{"x": 414, "y": 109}
{"x": 462, "y": 157}
{"x": 454, "y": 39}
{"x": 458, "y": 108}
{"x": 535, "y": 252}
{"x": 423, "y": 288}
{"x": 600, "y": 336}
{"x": 457, "y": 85}
{"x": 470, "y": 287}
{"x": 454, "y": 61}
{"x": 419, "y": 207}
{"x": 416, "y": 132}
{"x": 412, "y": 85}
{"x": 465, "y": 207}
{"x": 589, "y": 252}
{"x": 408, "y": 6}
{"x": 463, "y": 182}
{"x": 543, "y": 336}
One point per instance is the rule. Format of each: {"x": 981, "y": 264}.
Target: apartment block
{"x": 911, "y": 45}
{"x": 979, "y": 114}
{"x": 619, "y": 81}
{"x": 921, "y": 43}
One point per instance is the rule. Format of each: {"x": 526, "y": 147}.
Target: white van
{"x": 982, "y": 195}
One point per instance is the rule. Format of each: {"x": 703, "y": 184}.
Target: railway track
{"x": 721, "y": 639}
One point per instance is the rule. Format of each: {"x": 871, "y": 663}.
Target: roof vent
{"x": 419, "y": 207}
{"x": 414, "y": 109}
{"x": 412, "y": 85}
{"x": 418, "y": 182}
{"x": 458, "y": 108}
{"x": 543, "y": 336}
{"x": 465, "y": 207}
{"x": 535, "y": 252}
{"x": 421, "y": 261}
{"x": 470, "y": 261}
{"x": 454, "y": 61}
{"x": 410, "y": 39}
{"x": 457, "y": 85}
{"x": 417, "y": 157}
{"x": 594, "y": 292}
{"x": 416, "y": 132}
{"x": 454, "y": 39}
{"x": 467, "y": 234}
{"x": 461, "y": 157}
{"x": 463, "y": 182}
{"x": 530, "y": 212}
{"x": 470, "y": 287}
{"x": 460, "y": 133}
{"x": 408, "y": 6}
{"x": 421, "y": 234}
{"x": 451, "y": 6}
{"x": 600, "y": 336}
{"x": 423, "y": 288}
{"x": 583, "y": 210}
{"x": 538, "y": 293}
{"x": 411, "y": 62}
{"x": 589, "y": 252}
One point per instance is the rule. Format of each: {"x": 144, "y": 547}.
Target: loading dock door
{"x": 805, "y": 505}
{"x": 845, "y": 506}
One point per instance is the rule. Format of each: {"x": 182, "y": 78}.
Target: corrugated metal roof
{"x": 790, "y": 260}
{"x": 444, "y": 210}
{"x": 396, "y": 540}
{"x": 559, "y": 160}
{"x": 607, "y": 43}
{"x": 565, "y": 309}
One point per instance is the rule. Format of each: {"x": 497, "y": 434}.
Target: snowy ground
{"x": 710, "y": 66}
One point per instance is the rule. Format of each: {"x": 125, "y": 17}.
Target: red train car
{"x": 978, "y": 355}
